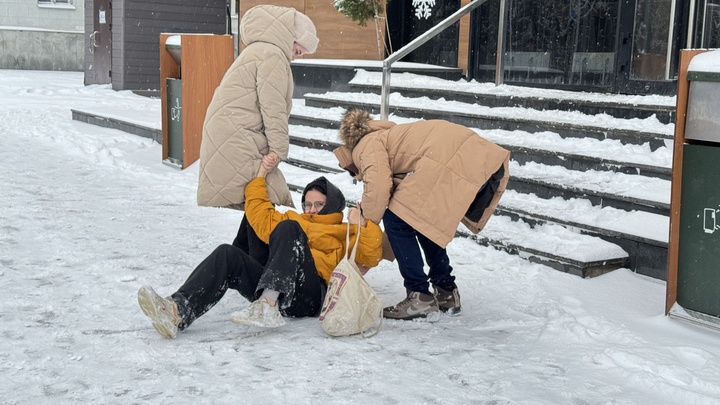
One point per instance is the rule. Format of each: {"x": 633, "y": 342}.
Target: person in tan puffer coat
{"x": 422, "y": 179}
{"x": 249, "y": 112}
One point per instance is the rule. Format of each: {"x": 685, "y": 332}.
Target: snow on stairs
{"x": 540, "y": 242}
{"x": 563, "y": 123}
{"x": 528, "y": 231}
{"x": 609, "y": 191}
{"x": 587, "y": 194}
{"x": 487, "y": 94}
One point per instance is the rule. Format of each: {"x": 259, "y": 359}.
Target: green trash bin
{"x": 698, "y": 279}
{"x": 174, "y": 121}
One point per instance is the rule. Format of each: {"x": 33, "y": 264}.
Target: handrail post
{"x": 414, "y": 44}
{"x": 500, "y": 57}
{"x": 385, "y": 93}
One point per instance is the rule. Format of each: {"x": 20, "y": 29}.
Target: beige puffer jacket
{"x": 248, "y": 115}
{"x": 427, "y": 172}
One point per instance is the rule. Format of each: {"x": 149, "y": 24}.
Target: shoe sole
{"x": 248, "y": 322}
{"x": 430, "y": 317}
{"x": 147, "y": 304}
{"x": 451, "y": 311}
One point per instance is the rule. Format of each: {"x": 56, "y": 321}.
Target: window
{"x": 55, "y": 3}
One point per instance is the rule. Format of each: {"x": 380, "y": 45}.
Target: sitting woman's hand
{"x": 268, "y": 163}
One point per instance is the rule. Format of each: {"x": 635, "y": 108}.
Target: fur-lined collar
{"x": 354, "y": 125}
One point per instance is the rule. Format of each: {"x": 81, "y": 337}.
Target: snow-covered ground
{"x": 91, "y": 214}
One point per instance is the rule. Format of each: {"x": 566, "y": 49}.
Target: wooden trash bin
{"x": 191, "y": 68}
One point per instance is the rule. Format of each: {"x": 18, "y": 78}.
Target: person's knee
{"x": 286, "y": 227}
{"x": 287, "y": 230}
{"x": 225, "y": 247}
{"x": 223, "y": 250}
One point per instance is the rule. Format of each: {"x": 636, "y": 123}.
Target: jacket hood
{"x": 354, "y": 125}
{"x": 335, "y": 198}
{"x": 271, "y": 24}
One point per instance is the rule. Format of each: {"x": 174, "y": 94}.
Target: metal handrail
{"x": 414, "y": 44}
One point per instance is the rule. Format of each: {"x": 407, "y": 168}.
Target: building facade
{"x": 123, "y": 41}
{"x": 42, "y": 35}
{"x": 616, "y": 46}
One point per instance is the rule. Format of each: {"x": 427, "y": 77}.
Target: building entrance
{"x": 621, "y": 46}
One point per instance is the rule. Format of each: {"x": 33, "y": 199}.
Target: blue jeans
{"x": 406, "y": 243}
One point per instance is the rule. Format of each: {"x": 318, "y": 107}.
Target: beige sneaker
{"x": 259, "y": 313}
{"x": 416, "y": 305}
{"x": 163, "y": 312}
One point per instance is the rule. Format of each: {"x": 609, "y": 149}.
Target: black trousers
{"x": 250, "y": 266}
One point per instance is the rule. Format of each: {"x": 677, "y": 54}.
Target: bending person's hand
{"x": 355, "y": 217}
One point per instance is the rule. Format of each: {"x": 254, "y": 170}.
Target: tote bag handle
{"x": 378, "y": 325}
{"x": 347, "y": 243}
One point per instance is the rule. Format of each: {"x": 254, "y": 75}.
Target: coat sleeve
{"x": 377, "y": 179}
{"x": 273, "y": 83}
{"x": 260, "y": 212}
{"x": 369, "y": 251}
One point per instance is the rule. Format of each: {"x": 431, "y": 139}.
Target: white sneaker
{"x": 162, "y": 312}
{"x": 259, "y": 313}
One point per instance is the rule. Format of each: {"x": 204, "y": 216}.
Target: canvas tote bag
{"x": 351, "y": 306}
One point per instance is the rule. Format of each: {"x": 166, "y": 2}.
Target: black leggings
{"x": 289, "y": 269}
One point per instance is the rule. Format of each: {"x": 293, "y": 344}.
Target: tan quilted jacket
{"x": 428, "y": 173}
{"x": 248, "y": 115}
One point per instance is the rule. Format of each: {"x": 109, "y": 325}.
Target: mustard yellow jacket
{"x": 326, "y": 233}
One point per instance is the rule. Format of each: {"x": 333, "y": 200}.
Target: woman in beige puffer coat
{"x": 249, "y": 112}
{"x": 422, "y": 179}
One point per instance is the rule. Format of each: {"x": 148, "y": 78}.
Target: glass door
{"x": 651, "y": 42}
{"x": 618, "y": 46}
{"x": 552, "y": 43}
{"x": 706, "y": 24}
{"x": 650, "y": 36}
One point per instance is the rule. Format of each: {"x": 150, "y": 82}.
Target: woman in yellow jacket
{"x": 283, "y": 268}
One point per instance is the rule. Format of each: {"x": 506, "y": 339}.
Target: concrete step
{"x": 567, "y": 124}
{"x": 605, "y": 189}
{"x": 588, "y": 256}
{"x": 642, "y": 234}
{"x": 542, "y": 147}
{"x": 602, "y": 180}
{"x": 487, "y": 94}
{"x": 647, "y": 252}
{"x": 108, "y": 120}
{"x": 314, "y": 158}
{"x": 575, "y": 212}
{"x": 314, "y": 75}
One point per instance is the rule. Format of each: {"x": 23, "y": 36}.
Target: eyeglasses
{"x": 318, "y": 205}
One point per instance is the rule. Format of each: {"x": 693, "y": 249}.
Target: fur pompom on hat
{"x": 305, "y": 32}
{"x": 354, "y": 126}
